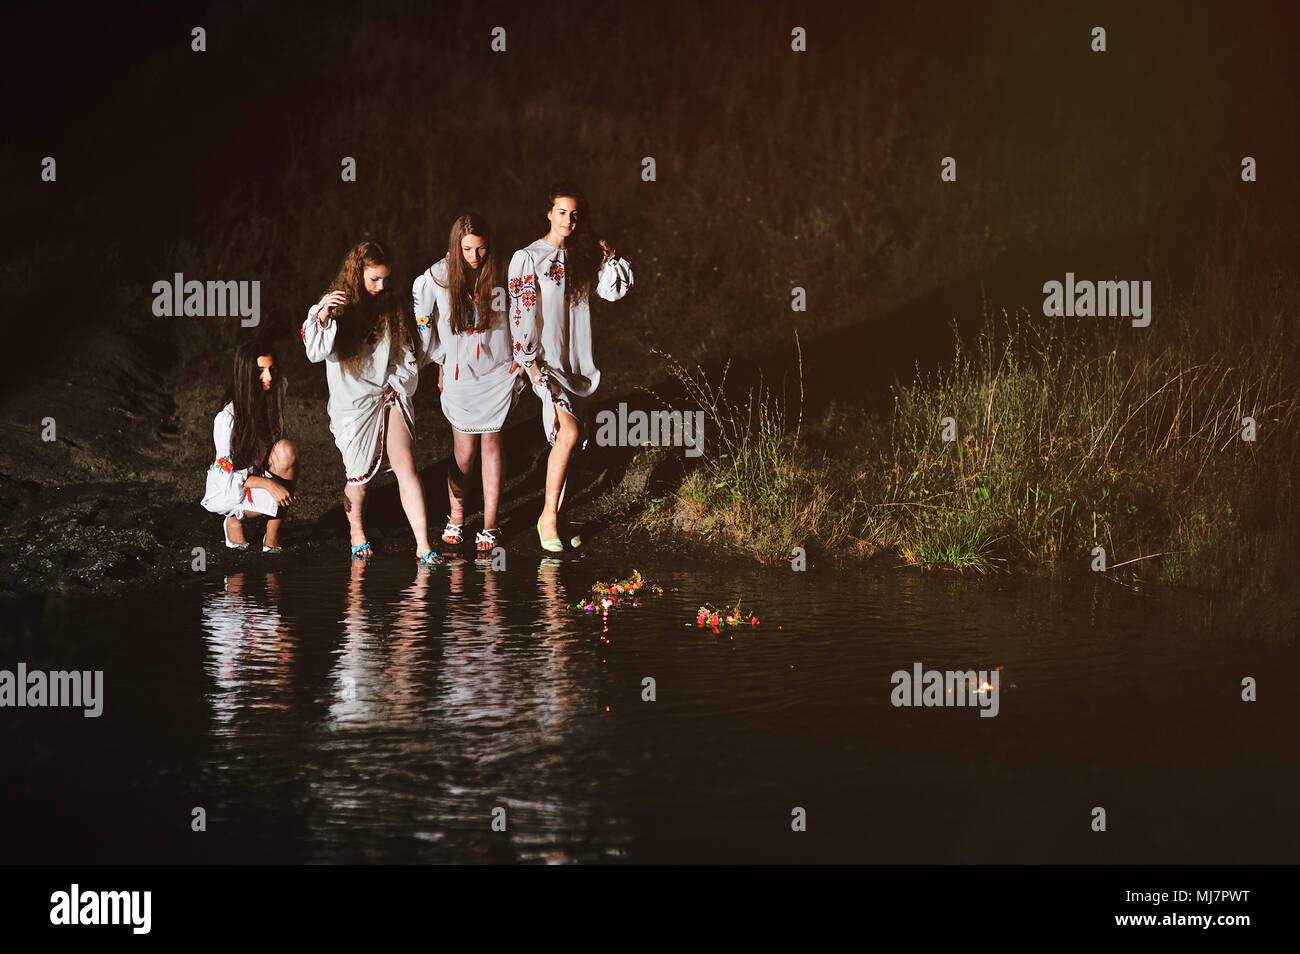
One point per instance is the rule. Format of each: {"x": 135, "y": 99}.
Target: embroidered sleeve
{"x": 223, "y": 480}
{"x": 425, "y": 294}
{"x": 318, "y": 341}
{"x": 614, "y": 278}
{"x": 523, "y": 307}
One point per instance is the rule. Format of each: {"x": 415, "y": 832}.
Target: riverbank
{"x": 1066, "y": 436}
{"x": 1151, "y": 455}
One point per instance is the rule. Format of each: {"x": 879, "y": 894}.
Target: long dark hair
{"x": 363, "y": 317}
{"x": 582, "y": 249}
{"x": 259, "y": 415}
{"x": 463, "y": 292}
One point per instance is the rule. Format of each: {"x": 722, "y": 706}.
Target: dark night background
{"x": 774, "y": 169}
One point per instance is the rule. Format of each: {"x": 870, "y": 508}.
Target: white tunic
{"x": 356, "y": 405}
{"x": 225, "y": 493}
{"x": 480, "y": 377}
{"x": 548, "y": 330}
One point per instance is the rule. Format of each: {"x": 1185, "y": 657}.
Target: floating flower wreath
{"x": 625, "y": 592}
{"x": 718, "y": 620}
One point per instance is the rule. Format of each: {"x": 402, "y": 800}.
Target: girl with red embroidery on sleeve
{"x": 255, "y": 469}
{"x": 373, "y": 353}
{"x": 550, "y": 319}
{"x": 477, "y": 373}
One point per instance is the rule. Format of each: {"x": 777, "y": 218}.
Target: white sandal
{"x": 229, "y": 542}
{"x": 453, "y": 530}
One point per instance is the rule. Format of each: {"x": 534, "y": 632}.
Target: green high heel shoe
{"x": 553, "y": 545}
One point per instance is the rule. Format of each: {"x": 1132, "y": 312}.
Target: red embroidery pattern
{"x": 223, "y": 464}
{"x": 525, "y": 293}
{"x": 556, "y": 272}
{"x": 558, "y": 400}
{"x": 374, "y": 461}
{"x": 303, "y": 329}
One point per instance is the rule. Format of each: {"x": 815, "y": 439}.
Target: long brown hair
{"x": 363, "y": 318}
{"x": 582, "y": 249}
{"x": 259, "y": 415}
{"x": 465, "y": 292}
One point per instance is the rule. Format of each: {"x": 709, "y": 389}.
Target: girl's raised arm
{"x": 318, "y": 339}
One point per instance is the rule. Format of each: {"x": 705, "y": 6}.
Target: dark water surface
{"x": 345, "y": 712}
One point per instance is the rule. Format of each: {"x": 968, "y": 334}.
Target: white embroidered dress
{"x": 224, "y": 492}
{"x": 547, "y": 329}
{"x": 356, "y": 405}
{"x": 479, "y": 377}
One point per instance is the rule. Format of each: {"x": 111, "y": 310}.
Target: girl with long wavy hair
{"x": 550, "y": 319}
{"x": 477, "y": 374}
{"x": 373, "y": 352}
{"x": 255, "y": 469}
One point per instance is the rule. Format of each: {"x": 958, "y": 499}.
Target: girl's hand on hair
{"x": 607, "y": 249}
{"x": 335, "y": 299}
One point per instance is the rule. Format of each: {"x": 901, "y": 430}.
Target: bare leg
{"x": 398, "y": 439}
{"x": 354, "y": 501}
{"x": 283, "y": 464}
{"x": 557, "y": 467}
{"x": 235, "y": 527}
{"x": 464, "y": 451}
{"x": 493, "y": 468}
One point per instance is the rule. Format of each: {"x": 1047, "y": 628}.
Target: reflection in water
{"x": 473, "y": 684}
{"x": 250, "y": 651}
{"x": 413, "y": 709}
{"x": 557, "y": 686}
{"x": 374, "y": 680}
{"x": 370, "y": 714}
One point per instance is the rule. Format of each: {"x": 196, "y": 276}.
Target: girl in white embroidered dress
{"x": 255, "y": 469}
{"x": 373, "y": 353}
{"x": 550, "y": 319}
{"x": 477, "y": 374}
